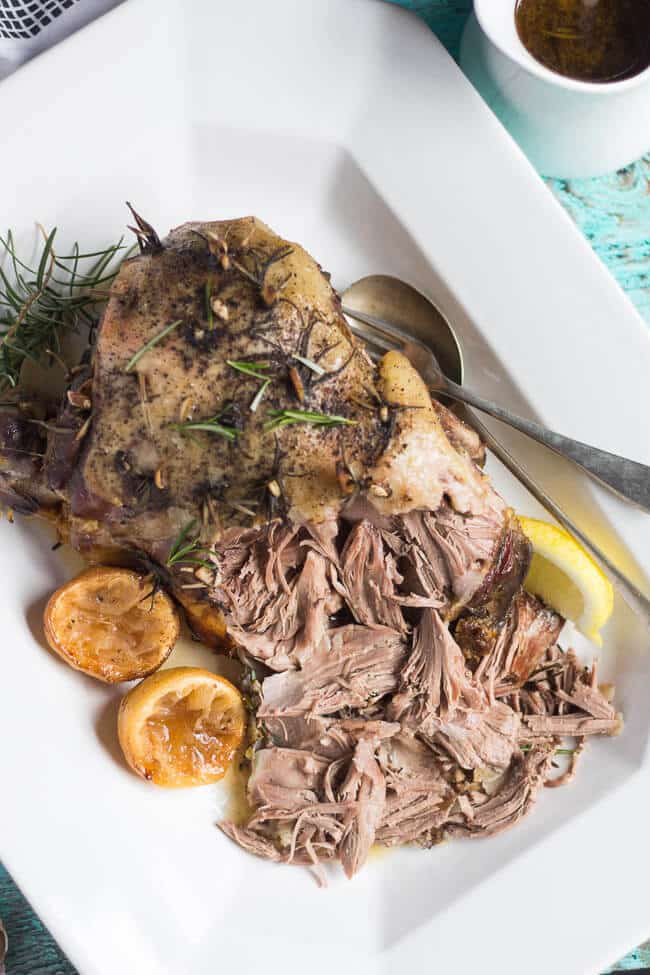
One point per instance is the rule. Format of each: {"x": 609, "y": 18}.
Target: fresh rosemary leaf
{"x": 177, "y": 544}
{"x": 78, "y": 256}
{"x": 96, "y": 272}
{"x": 75, "y": 267}
{"x": 208, "y": 426}
{"x": 250, "y": 368}
{"x": 133, "y": 361}
{"x": 309, "y": 363}
{"x": 46, "y": 258}
{"x": 284, "y": 418}
{"x": 184, "y": 548}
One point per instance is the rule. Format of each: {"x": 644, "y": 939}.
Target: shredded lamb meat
{"x": 393, "y": 687}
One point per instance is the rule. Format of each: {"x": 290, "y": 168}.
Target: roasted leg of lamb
{"x": 319, "y": 516}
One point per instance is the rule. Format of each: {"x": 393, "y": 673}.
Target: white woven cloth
{"x": 28, "y": 27}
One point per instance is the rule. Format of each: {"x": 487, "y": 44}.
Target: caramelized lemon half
{"x": 181, "y": 726}
{"x": 110, "y": 624}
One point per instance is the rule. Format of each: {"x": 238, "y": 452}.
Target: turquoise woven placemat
{"x": 614, "y": 214}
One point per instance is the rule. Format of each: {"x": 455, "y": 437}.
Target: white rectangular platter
{"x": 346, "y": 126}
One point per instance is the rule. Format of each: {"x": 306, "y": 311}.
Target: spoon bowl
{"x": 399, "y": 303}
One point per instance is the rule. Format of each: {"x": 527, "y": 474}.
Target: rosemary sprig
{"x": 38, "y": 303}
{"x": 254, "y": 369}
{"x": 285, "y": 418}
{"x": 211, "y": 425}
{"x": 184, "y": 548}
{"x": 133, "y": 361}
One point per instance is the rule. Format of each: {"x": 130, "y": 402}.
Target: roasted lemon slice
{"x": 181, "y": 726}
{"x": 111, "y": 625}
{"x": 565, "y": 577}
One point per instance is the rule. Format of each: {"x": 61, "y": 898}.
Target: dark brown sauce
{"x": 589, "y": 40}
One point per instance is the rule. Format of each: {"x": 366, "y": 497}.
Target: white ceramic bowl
{"x": 567, "y": 128}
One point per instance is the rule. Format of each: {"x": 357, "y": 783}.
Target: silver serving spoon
{"x": 389, "y": 314}
{"x": 629, "y": 479}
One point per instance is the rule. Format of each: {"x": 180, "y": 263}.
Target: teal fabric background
{"x": 614, "y": 214}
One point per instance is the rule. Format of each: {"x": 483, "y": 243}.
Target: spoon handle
{"x": 635, "y": 599}
{"x": 628, "y": 478}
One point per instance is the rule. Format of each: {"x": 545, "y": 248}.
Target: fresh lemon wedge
{"x": 565, "y": 577}
{"x": 181, "y": 727}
